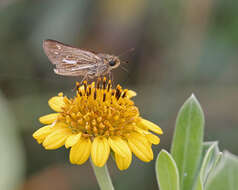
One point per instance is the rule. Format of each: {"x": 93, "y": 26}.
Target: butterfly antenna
{"x": 124, "y": 69}
{"x": 126, "y": 52}
{"x": 126, "y": 62}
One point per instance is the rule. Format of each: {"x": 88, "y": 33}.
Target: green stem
{"x": 103, "y": 177}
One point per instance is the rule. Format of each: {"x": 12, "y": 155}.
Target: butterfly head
{"x": 114, "y": 62}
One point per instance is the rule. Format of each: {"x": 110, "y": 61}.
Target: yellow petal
{"x": 141, "y": 130}
{"x": 56, "y": 139}
{"x": 60, "y": 125}
{"x": 80, "y": 152}
{"x": 72, "y": 140}
{"x": 42, "y": 133}
{"x": 140, "y": 147}
{"x": 123, "y": 162}
{"x": 100, "y": 151}
{"x": 153, "y": 138}
{"x": 56, "y": 103}
{"x": 151, "y": 126}
{"x": 131, "y": 93}
{"x": 49, "y": 118}
{"x": 119, "y": 146}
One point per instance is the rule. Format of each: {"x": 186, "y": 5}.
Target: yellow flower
{"x": 97, "y": 120}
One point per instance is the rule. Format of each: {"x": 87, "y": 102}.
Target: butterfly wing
{"x": 70, "y": 61}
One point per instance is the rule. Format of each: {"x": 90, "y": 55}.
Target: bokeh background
{"x": 181, "y": 47}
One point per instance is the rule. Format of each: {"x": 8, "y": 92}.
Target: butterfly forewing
{"x": 69, "y": 60}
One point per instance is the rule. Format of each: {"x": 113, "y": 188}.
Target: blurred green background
{"x": 181, "y": 47}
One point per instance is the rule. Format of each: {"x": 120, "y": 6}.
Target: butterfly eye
{"x": 112, "y": 63}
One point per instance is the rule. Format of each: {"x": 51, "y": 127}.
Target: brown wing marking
{"x": 67, "y": 57}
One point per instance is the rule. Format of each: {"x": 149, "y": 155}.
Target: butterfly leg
{"x": 81, "y": 83}
{"x": 85, "y": 77}
{"x": 110, "y": 75}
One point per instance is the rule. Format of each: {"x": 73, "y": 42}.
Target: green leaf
{"x": 187, "y": 141}
{"x": 211, "y": 156}
{"x": 225, "y": 175}
{"x": 166, "y": 172}
{"x": 208, "y": 144}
